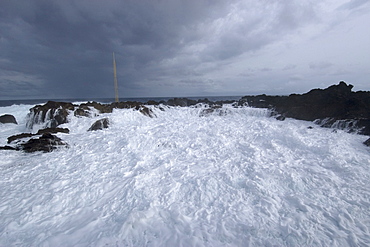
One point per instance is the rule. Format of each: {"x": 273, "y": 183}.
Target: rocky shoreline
{"x": 334, "y": 107}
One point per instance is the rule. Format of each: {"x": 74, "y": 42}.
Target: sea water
{"x": 232, "y": 177}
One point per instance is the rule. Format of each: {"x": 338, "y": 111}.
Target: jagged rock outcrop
{"x": 85, "y": 108}
{"x": 53, "y": 131}
{"x": 19, "y": 137}
{"x": 40, "y": 132}
{"x": 147, "y": 112}
{"x": 336, "y": 106}
{"x": 46, "y": 143}
{"x": 100, "y": 124}
{"x": 7, "y": 118}
{"x": 51, "y": 114}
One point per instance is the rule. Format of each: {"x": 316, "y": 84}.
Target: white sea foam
{"x": 234, "y": 179}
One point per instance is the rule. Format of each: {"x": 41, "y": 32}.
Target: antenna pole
{"x": 115, "y": 79}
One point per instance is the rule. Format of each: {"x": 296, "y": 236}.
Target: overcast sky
{"x": 63, "y": 49}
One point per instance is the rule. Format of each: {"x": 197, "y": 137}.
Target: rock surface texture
{"x": 49, "y": 115}
{"x": 99, "y": 124}
{"x": 336, "y": 107}
{"x": 40, "y": 132}
{"x": 43, "y": 141}
{"x": 7, "y": 118}
{"x": 46, "y": 143}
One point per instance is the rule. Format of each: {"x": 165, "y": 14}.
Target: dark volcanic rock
{"x": 84, "y": 109}
{"x": 40, "y": 132}
{"x": 53, "y": 131}
{"x": 80, "y": 112}
{"x": 19, "y": 136}
{"x": 336, "y": 103}
{"x": 181, "y": 102}
{"x": 46, "y": 143}
{"x": 50, "y": 115}
{"x": 367, "y": 142}
{"x": 7, "y": 118}
{"x": 280, "y": 118}
{"x": 102, "y": 108}
{"x": 147, "y": 111}
{"x": 190, "y": 102}
{"x": 8, "y": 148}
{"x": 100, "y": 124}
{"x": 360, "y": 126}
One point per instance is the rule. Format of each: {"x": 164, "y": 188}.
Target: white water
{"x": 241, "y": 179}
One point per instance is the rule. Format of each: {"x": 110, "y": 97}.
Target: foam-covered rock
{"x": 19, "y": 137}
{"x": 100, "y": 124}
{"x": 51, "y": 114}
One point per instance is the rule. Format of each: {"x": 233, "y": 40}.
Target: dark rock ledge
{"x": 46, "y": 143}
{"x": 334, "y": 107}
{"x": 40, "y": 132}
{"x": 42, "y": 141}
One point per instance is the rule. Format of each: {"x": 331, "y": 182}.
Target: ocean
{"x": 233, "y": 176}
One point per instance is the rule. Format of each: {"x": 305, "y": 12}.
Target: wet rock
{"x": 99, "y": 124}
{"x": 46, "y": 143}
{"x": 128, "y": 105}
{"x": 101, "y": 108}
{"x": 40, "y": 132}
{"x": 50, "y": 114}
{"x": 181, "y": 102}
{"x": 7, "y": 118}
{"x": 280, "y": 118}
{"x": 8, "y": 148}
{"x": 80, "y": 112}
{"x": 152, "y": 102}
{"x": 147, "y": 112}
{"x": 53, "y": 131}
{"x": 19, "y": 137}
{"x": 108, "y": 108}
{"x": 359, "y": 126}
{"x": 367, "y": 142}
{"x": 337, "y": 103}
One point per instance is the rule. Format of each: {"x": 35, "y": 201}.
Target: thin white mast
{"x": 115, "y": 79}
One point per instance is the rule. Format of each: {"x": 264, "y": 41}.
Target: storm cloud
{"x": 63, "y": 49}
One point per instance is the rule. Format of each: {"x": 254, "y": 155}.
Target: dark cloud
{"x": 163, "y": 48}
